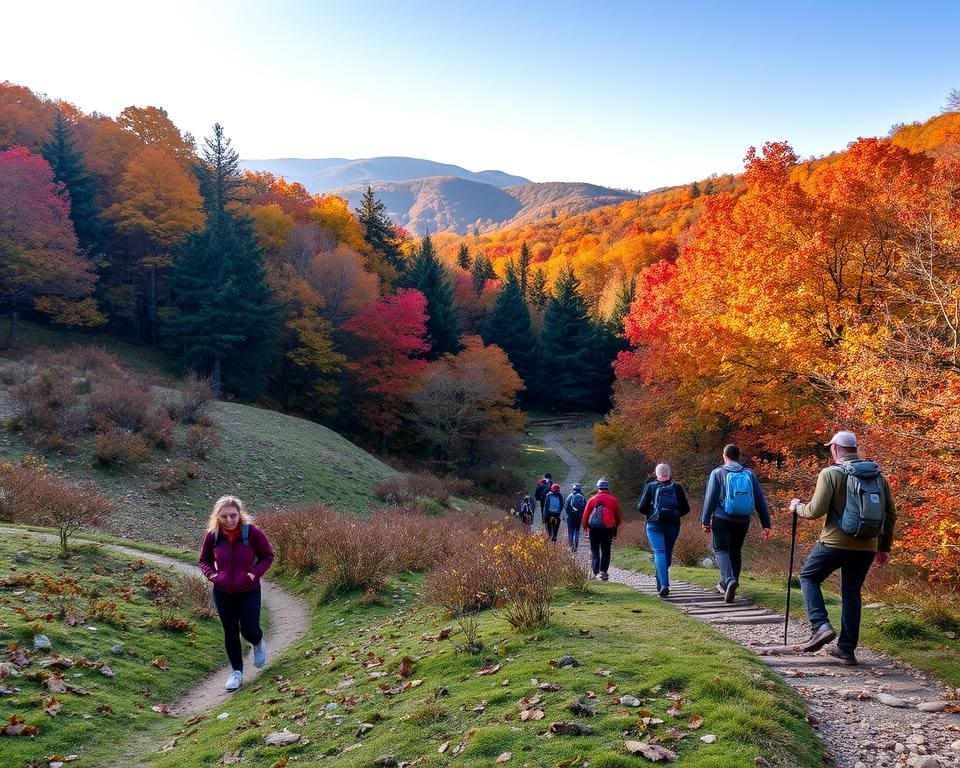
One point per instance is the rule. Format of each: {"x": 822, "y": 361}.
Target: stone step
{"x": 770, "y": 619}
{"x": 722, "y": 607}
{"x": 741, "y": 614}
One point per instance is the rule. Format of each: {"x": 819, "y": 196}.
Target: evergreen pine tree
{"x": 523, "y": 269}
{"x": 223, "y": 317}
{"x": 428, "y": 276}
{"x": 378, "y": 230}
{"x": 481, "y": 271}
{"x": 463, "y": 256}
{"x": 539, "y": 292}
{"x": 566, "y": 346}
{"x": 61, "y": 152}
{"x": 626, "y": 293}
{"x": 509, "y": 328}
{"x": 695, "y": 190}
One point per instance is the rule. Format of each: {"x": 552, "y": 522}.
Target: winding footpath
{"x": 882, "y": 713}
{"x": 289, "y": 620}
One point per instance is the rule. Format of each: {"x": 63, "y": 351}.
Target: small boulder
{"x": 40, "y": 642}
{"x": 891, "y": 700}
{"x": 932, "y": 706}
{"x": 924, "y": 761}
{"x": 630, "y": 701}
{"x": 567, "y": 661}
{"x": 281, "y": 738}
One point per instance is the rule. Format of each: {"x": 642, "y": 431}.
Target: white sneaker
{"x": 259, "y": 654}
{"x": 234, "y": 681}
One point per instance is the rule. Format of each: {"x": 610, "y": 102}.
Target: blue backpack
{"x": 666, "y": 507}
{"x": 554, "y": 503}
{"x": 865, "y": 510}
{"x": 738, "y": 496}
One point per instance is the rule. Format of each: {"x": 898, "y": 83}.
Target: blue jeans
{"x": 854, "y": 567}
{"x": 573, "y": 532}
{"x": 662, "y": 537}
{"x": 728, "y": 538}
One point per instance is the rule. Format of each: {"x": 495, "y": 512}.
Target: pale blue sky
{"x": 628, "y": 94}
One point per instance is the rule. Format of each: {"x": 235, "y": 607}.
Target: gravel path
{"x": 867, "y": 716}
{"x": 289, "y": 619}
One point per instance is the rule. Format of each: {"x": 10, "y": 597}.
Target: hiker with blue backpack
{"x": 552, "y": 511}
{"x": 573, "y": 508}
{"x": 234, "y": 556}
{"x": 859, "y": 515}
{"x": 663, "y": 502}
{"x": 733, "y": 495}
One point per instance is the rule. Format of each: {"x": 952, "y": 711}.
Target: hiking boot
{"x": 730, "y": 592}
{"x": 820, "y": 637}
{"x": 234, "y": 681}
{"x": 604, "y": 576}
{"x": 842, "y": 656}
{"x": 259, "y": 654}
{"x": 721, "y": 588}
{"x": 664, "y": 592}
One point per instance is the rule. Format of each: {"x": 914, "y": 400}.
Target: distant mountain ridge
{"x": 448, "y": 204}
{"x": 327, "y": 174}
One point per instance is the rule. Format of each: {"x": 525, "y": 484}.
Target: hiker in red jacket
{"x": 601, "y": 520}
{"x": 234, "y": 555}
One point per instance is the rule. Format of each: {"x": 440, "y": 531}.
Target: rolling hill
{"x": 448, "y": 204}
{"x": 328, "y": 174}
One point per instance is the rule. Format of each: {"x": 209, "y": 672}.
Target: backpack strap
{"x": 245, "y": 534}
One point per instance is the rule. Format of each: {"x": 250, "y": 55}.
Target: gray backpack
{"x": 864, "y": 514}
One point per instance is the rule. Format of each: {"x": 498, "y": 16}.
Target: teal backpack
{"x": 738, "y": 496}
{"x": 864, "y": 513}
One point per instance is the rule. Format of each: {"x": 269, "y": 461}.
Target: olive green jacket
{"x": 829, "y": 499}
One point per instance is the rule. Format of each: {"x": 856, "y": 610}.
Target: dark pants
{"x": 854, "y": 566}
{"x": 728, "y": 538}
{"x": 662, "y": 537}
{"x": 601, "y": 540}
{"x": 573, "y": 532}
{"x": 240, "y": 615}
{"x": 552, "y": 523}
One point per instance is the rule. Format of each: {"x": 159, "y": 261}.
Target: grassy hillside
{"x": 267, "y": 458}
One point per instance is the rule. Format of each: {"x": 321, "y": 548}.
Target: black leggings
{"x": 552, "y": 523}
{"x": 601, "y": 541}
{"x": 240, "y": 615}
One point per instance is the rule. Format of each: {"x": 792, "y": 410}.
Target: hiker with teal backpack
{"x": 573, "y": 508}
{"x": 552, "y": 510}
{"x": 733, "y": 495}
{"x": 234, "y": 556}
{"x": 859, "y": 515}
{"x": 663, "y": 502}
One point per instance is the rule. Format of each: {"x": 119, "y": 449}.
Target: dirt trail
{"x": 289, "y": 620}
{"x": 845, "y": 704}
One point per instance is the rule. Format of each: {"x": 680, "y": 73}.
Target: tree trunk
{"x": 152, "y": 307}
{"x": 12, "y": 330}
{"x": 216, "y": 383}
{"x": 63, "y": 541}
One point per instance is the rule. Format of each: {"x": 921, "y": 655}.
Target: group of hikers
{"x": 851, "y": 496}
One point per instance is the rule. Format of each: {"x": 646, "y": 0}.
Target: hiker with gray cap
{"x": 853, "y": 498}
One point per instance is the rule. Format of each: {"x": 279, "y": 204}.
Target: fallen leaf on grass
{"x": 51, "y": 705}
{"x": 231, "y": 758}
{"x": 480, "y": 707}
{"x": 406, "y": 666}
{"x": 504, "y": 757}
{"x": 695, "y": 722}
{"x": 161, "y": 709}
{"x": 677, "y": 709}
{"x": 531, "y": 714}
{"x": 56, "y": 661}
{"x": 653, "y": 752}
{"x": 195, "y": 720}
{"x": 105, "y": 709}
{"x": 489, "y": 670}
{"x": 55, "y": 684}
{"x": 611, "y": 688}
{"x": 16, "y": 727}
{"x": 549, "y": 686}
{"x": 162, "y": 664}
{"x": 568, "y": 728}
{"x": 603, "y": 672}
{"x": 648, "y": 721}
{"x": 56, "y": 761}
{"x": 281, "y": 763}
{"x": 570, "y": 763}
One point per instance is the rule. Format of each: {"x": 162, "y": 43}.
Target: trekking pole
{"x": 793, "y": 544}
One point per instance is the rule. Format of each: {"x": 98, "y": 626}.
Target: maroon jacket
{"x": 227, "y": 564}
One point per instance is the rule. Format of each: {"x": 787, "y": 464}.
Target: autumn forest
{"x": 770, "y": 307}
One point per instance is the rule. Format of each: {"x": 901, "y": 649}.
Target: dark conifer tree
{"x": 539, "y": 293}
{"x": 378, "y": 231}
{"x": 566, "y": 346}
{"x": 481, "y": 271}
{"x": 428, "y": 276}
{"x": 463, "y": 256}
{"x": 523, "y": 270}
{"x": 509, "y": 328}
{"x": 626, "y": 293}
{"x": 223, "y": 316}
{"x": 66, "y": 160}
{"x": 695, "y": 190}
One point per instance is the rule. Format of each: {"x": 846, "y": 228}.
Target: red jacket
{"x": 228, "y": 563}
{"x": 611, "y": 509}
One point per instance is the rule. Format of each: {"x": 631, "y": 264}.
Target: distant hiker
{"x": 542, "y": 489}
{"x": 552, "y": 510}
{"x": 663, "y": 502}
{"x": 234, "y": 555}
{"x": 733, "y": 494}
{"x": 525, "y": 511}
{"x": 573, "y": 509}
{"x": 601, "y": 520}
{"x": 859, "y": 515}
